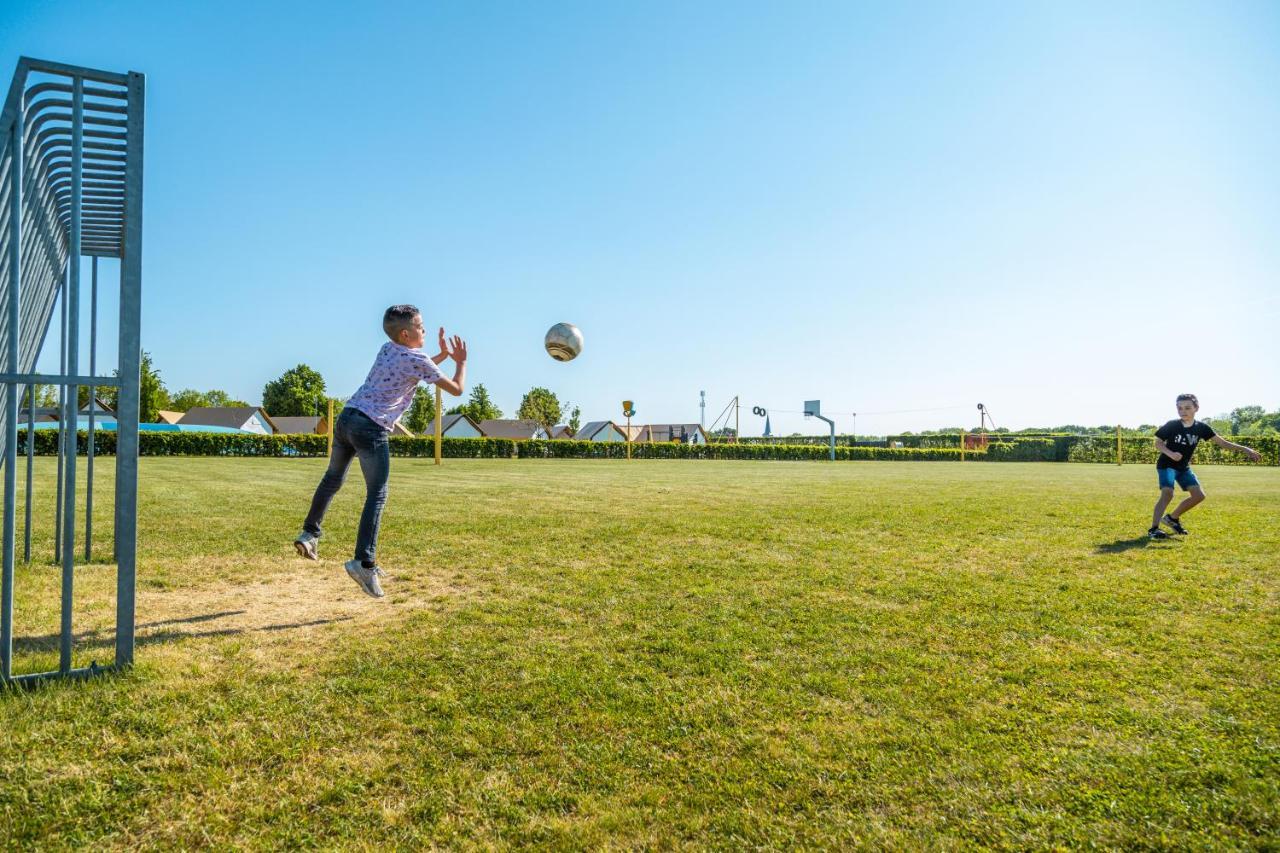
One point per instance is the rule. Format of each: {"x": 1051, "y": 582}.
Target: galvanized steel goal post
{"x": 71, "y": 183}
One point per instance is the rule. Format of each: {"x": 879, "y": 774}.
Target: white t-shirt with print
{"x": 388, "y": 389}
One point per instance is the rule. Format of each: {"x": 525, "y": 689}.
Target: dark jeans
{"x": 355, "y": 434}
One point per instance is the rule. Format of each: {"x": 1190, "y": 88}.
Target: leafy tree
{"x": 152, "y": 396}
{"x": 46, "y": 396}
{"x": 1244, "y": 416}
{"x": 298, "y": 392}
{"x": 575, "y": 419}
{"x": 422, "y": 411}
{"x": 217, "y": 399}
{"x": 188, "y": 399}
{"x": 478, "y": 407}
{"x": 541, "y": 405}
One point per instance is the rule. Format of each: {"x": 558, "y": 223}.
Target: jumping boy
{"x": 364, "y": 425}
{"x": 1176, "y": 442}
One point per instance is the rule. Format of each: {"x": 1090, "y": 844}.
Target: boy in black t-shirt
{"x": 1176, "y": 441}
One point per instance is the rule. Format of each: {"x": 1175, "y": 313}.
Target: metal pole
{"x": 628, "y": 436}
{"x": 11, "y": 427}
{"x": 439, "y": 404}
{"x": 130, "y": 363}
{"x": 93, "y": 399}
{"x": 961, "y": 445}
{"x": 31, "y": 460}
{"x": 62, "y": 418}
{"x": 73, "y": 368}
{"x": 736, "y": 424}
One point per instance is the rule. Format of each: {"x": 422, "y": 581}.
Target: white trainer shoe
{"x": 305, "y": 545}
{"x": 367, "y": 578}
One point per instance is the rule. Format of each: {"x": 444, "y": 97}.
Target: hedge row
{"x": 1136, "y": 449}
{"x": 185, "y": 444}
{"x": 1140, "y": 449}
{"x": 490, "y": 448}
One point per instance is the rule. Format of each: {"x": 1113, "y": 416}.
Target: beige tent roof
{"x": 164, "y": 417}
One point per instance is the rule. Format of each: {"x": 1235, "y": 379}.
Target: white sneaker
{"x": 367, "y": 578}
{"x": 305, "y": 545}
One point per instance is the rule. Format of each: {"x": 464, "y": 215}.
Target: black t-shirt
{"x": 1182, "y": 439}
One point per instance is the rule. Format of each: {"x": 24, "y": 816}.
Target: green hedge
{"x": 185, "y": 444}
{"x": 501, "y": 448}
{"x": 1028, "y": 450}
{"x": 1137, "y": 449}
{"x": 1142, "y": 449}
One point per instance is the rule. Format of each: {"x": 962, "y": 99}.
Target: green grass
{"x": 583, "y": 654}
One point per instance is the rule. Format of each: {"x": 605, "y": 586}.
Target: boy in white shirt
{"x": 362, "y": 429}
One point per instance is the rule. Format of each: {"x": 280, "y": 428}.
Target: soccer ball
{"x": 563, "y": 342}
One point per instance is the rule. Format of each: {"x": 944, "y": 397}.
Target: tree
{"x": 422, "y": 411}
{"x": 188, "y": 399}
{"x": 478, "y": 407}
{"x": 298, "y": 392}
{"x": 152, "y": 396}
{"x": 1244, "y": 416}
{"x": 542, "y": 406}
{"x": 217, "y": 399}
{"x": 46, "y": 396}
{"x": 575, "y": 420}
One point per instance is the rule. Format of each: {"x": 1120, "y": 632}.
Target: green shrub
{"x": 1142, "y": 449}
{"x": 1136, "y": 448}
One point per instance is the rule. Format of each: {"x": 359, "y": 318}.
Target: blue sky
{"x": 1066, "y": 211}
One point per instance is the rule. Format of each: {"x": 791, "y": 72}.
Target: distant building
{"x": 99, "y": 408}
{"x": 680, "y": 433}
{"x": 562, "y": 431}
{"x": 307, "y": 425}
{"x": 457, "y": 426}
{"x": 601, "y": 431}
{"x": 512, "y": 429}
{"x": 247, "y": 418}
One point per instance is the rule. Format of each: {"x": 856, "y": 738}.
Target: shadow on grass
{"x": 107, "y": 638}
{"x": 1121, "y": 545}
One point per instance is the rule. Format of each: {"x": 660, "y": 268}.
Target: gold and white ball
{"x": 563, "y": 342}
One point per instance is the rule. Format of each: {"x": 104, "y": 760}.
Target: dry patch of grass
{"x": 293, "y": 604}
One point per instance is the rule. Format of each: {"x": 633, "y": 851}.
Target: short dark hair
{"x": 397, "y": 318}
{"x": 1190, "y": 397}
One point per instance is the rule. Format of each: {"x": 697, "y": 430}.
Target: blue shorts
{"x": 1184, "y": 478}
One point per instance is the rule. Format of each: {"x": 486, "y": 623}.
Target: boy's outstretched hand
{"x": 444, "y": 342}
{"x": 458, "y": 348}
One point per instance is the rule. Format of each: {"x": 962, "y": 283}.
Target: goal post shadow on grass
{"x": 71, "y": 145}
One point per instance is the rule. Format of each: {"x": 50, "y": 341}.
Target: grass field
{"x": 583, "y": 654}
